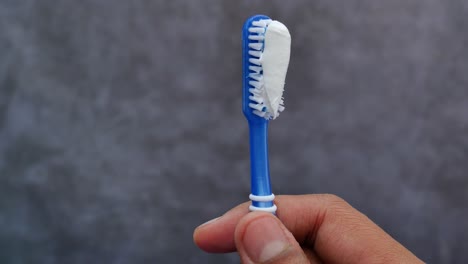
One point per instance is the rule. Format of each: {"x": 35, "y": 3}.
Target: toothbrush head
{"x": 266, "y": 52}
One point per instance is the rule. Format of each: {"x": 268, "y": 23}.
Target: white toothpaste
{"x": 275, "y": 61}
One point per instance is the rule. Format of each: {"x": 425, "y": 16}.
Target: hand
{"x": 307, "y": 229}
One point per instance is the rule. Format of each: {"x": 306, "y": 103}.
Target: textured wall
{"x": 121, "y": 127}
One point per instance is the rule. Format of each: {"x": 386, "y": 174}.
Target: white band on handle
{"x": 258, "y": 198}
{"x": 266, "y": 198}
{"x": 263, "y": 209}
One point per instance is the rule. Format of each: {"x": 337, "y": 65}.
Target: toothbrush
{"x": 265, "y": 51}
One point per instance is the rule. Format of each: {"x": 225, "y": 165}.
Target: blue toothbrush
{"x": 257, "y": 102}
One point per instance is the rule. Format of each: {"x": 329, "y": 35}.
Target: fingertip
{"x": 213, "y": 236}
{"x": 198, "y": 236}
{"x": 217, "y": 235}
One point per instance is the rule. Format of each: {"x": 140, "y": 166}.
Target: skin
{"x": 307, "y": 229}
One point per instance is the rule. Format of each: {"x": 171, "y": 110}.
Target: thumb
{"x": 262, "y": 238}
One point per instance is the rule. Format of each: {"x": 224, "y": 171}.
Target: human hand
{"x": 307, "y": 229}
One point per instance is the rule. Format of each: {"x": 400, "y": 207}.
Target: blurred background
{"x": 121, "y": 127}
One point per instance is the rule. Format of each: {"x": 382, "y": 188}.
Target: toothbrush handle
{"x": 262, "y": 197}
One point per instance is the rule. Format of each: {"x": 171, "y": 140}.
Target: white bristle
{"x": 255, "y": 61}
{"x": 258, "y": 30}
{"x": 255, "y": 53}
{"x": 257, "y": 37}
{"x": 255, "y": 68}
{"x": 258, "y": 107}
{"x": 256, "y": 99}
{"x": 259, "y": 113}
{"x": 261, "y": 23}
{"x": 256, "y": 46}
{"x": 256, "y": 85}
{"x": 254, "y": 91}
{"x": 256, "y": 76}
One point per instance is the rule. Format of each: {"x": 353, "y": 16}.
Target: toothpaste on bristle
{"x": 275, "y": 61}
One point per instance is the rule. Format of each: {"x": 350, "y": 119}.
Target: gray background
{"x": 121, "y": 127}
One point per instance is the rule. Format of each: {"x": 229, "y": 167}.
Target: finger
{"x": 217, "y": 235}
{"x": 262, "y": 238}
{"x": 337, "y": 232}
